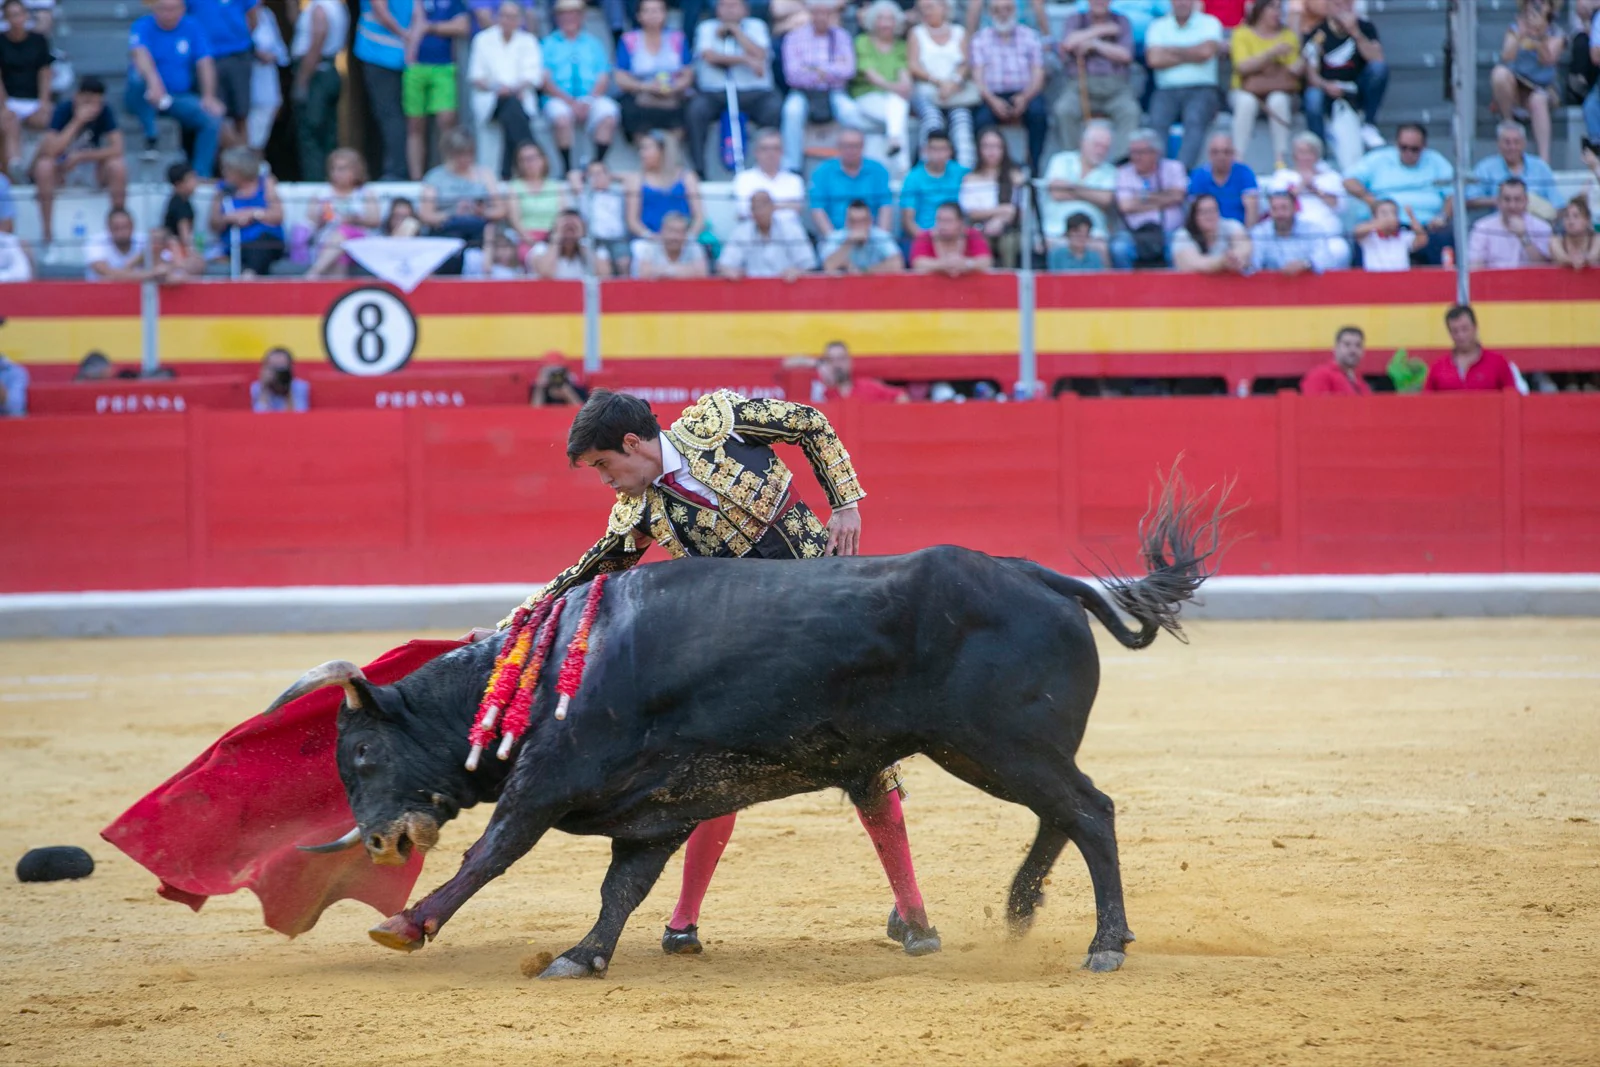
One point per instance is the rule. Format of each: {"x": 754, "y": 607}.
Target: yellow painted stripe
{"x": 64, "y": 340}
{"x": 243, "y": 338}
{"x": 1311, "y": 327}
{"x": 717, "y": 335}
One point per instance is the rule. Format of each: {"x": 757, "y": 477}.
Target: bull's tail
{"x": 1180, "y": 541}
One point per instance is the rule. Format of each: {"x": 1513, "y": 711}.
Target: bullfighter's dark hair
{"x": 605, "y": 420}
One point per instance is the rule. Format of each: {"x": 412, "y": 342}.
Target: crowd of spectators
{"x": 817, "y": 100}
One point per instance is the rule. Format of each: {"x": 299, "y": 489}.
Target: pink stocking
{"x": 700, "y": 858}
{"x": 886, "y": 825}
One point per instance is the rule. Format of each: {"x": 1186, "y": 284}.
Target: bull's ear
{"x": 361, "y": 697}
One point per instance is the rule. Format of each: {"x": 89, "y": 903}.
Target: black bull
{"x": 716, "y": 684}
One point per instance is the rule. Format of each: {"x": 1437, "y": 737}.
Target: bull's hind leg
{"x": 635, "y": 866}
{"x": 1069, "y": 808}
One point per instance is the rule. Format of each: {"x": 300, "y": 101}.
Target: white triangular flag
{"x": 403, "y": 262}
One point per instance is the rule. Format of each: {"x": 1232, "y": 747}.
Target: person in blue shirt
{"x": 1231, "y": 182}
{"x": 428, "y": 85}
{"x": 935, "y": 180}
{"x": 1077, "y": 254}
{"x": 577, "y": 75}
{"x": 228, "y": 24}
{"x": 382, "y": 33}
{"x": 1512, "y": 161}
{"x": 840, "y": 182}
{"x": 172, "y": 74}
{"x": 1414, "y": 176}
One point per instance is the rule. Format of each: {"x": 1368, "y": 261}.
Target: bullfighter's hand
{"x": 844, "y": 533}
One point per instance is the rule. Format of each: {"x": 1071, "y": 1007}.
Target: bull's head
{"x": 400, "y": 771}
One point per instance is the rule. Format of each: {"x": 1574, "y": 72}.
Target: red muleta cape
{"x": 231, "y": 819}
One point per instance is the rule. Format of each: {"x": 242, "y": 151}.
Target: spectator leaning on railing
{"x": 850, "y": 177}
{"x": 566, "y": 256}
{"x": 1415, "y": 177}
{"x": 118, "y": 254}
{"x": 1077, "y": 253}
{"x": 768, "y": 244}
{"x": 1097, "y": 52}
{"x": 1341, "y": 375}
{"x": 859, "y": 246}
{"x": 731, "y": 47}
{"x": 172, "y": 74}
{"x": 1575, "y": 243}
{"x": 673, "y": 254}
{"x": 1512, "y": 161}
{"x": 1282, "y": 244}
{"x": 1209, "y": 243}
{"x": 1510, "y": 237}
{"x": 1150, "y": 195}
{"x": 951, "y": 247}
{"x": 1385, "y": 244}
{"x": 83, "y": 145}
{"x": 348, "y": 210}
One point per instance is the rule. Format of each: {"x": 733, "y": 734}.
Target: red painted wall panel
{"x": 1331, "y": 485}
{"x": 1561, "y": 483}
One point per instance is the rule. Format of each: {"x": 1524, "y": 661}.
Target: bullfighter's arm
{"x": 622, "y": 546}
{"x": 799, "y": 424}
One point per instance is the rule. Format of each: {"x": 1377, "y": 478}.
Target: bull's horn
{"x": 349, "y": 840}
{"x": 339, "y": 672}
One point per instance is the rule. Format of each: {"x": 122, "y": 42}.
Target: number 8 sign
{"x": 369, "y": 332}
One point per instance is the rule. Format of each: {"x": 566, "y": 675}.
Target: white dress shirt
{"x": 673, "y": 463}
{"x": 498, "y": 62}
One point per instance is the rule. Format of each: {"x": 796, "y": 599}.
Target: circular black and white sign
{"x": 369, "y": 332}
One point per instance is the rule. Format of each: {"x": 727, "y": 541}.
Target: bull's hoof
{"x": 562, "y": 967}
{"x": 685, "y": 942}
{"x": 1105, "y": 961}
{"x": 399, "y": 932}
{"x": 916, "y": 940}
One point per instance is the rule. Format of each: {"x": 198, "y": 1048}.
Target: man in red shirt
{"x": 1340, "y": 376}
{"x": 1469, "y": 366}
{"x": 836, "y": 380}
{"x": 951, "y": 247}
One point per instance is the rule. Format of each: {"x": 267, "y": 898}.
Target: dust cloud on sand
{"x": 1345, "y": 843}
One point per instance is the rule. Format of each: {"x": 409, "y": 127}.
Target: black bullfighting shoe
{"x": 916, "y": 940}
{"x": 685, "y": 942}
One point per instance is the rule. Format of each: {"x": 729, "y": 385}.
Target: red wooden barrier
{"x": 1484, "y": 482}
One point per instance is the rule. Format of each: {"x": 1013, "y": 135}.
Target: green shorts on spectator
{"x": 428, "y": 89}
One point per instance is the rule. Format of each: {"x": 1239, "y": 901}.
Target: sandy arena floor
{"x": 1347, "y": 843}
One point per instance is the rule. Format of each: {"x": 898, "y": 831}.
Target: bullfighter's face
{"x": 629, "y": 471}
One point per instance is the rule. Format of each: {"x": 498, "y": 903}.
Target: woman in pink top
{"x": 1469, "y": 366}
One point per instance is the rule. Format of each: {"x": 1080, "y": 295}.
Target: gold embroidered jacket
{"x": 725, "y": 441}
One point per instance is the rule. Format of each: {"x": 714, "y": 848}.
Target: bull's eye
{"x": 361, "y": 751}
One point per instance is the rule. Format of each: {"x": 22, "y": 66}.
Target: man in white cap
{"x": 577, "y": 74}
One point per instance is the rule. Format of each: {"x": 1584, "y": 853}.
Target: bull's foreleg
{"x": 635, "y": 867}
{"x": 511, "y": 832}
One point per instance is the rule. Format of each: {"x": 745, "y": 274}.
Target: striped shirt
{"x": 818, "y": 62}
